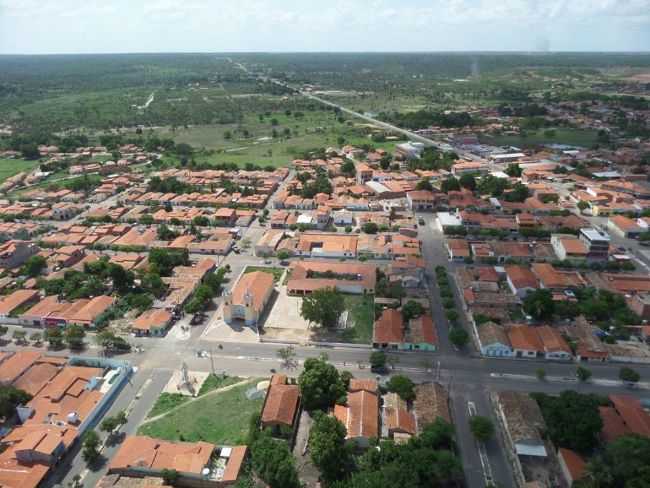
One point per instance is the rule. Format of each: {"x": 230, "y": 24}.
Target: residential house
{"x": 360, "y": 414}
{"x": 388, "y": 330}
{"x": 493, "y": 340}
{"x": 521, "y": 280}
{"x": 420, "y": 200}
{"x": 15, "y": 253}
{"x": 11, "y": 304}
{"x": 281, "y": 408}
{"x": 142, "y": 456}
{"x": 572, "y": 465}
{"x": 525, "y": 342}
{"x": 153, "y": 322}
{"x": 624, "y": 227}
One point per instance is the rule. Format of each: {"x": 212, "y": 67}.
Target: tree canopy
{"x": 426, "y": 460}
{"x": 572, "y": 419}
{"x": 403, "y": 386}
{"x": 329, "y": 451}
{"x": 323, "y": 307}
{"x": 10, "y": 398}
{"x": 625, "y": 463}
{"x": 320, "y": 384}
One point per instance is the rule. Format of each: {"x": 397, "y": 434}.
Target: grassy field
{"x": 252, "y": 141}
{"x": 276, "y": 272}
{"x": 11, "y": 167}
{"x": 165, "y": 402}
{"x": 221, "y": 418}
{"x": 168, "y": 401}
{"x": 571, "y": 137}
{"x": 362, "y": 313}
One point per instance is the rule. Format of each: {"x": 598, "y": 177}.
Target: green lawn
{"x": 165, "y": 402}
{"x": 362, "y": 313}
{"x": 11, "y": 167}
{"x": 276, "y": 272}
{"x": 220, "y": 418}
{"x": 572, "y": 137}
{"x": 214, "y": 382}
{"x": 168, "y": 401}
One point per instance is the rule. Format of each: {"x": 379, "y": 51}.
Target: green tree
{"x": 458, "y": 336}
{"x": 287, "y": 355}
{"x": 273, "y": 462}
{"x": 540, "y": 373}
{"x": 572, "y": 419}
{"x": 582, "y": 205}
{"x": 624, "y": 463}
{"x": 378, "y": 360}
{"x": 539, "y": 304}
{"x": 121, "y": 278}
{"x": 54, "y": 337}
{"x": 412, "y": 310}
{"x": 424, "y": 184}
{"x": 153, "y": 283}
{"x": 283, "y": 255}
{"x": 629, "y": 375}
{"x": 109, "y": 424}
{"x": 482, "y": 428}
{"x": 468, "y": 182}
{"x": 514, "y": 170}
{"x": 583, "y": 374}
{"x": 3, "y": 330}
{"x": 166, "y": 234}
{"x": 169, "y": 476}
{"x": 320, "y": 384}
{"x": 34, "y": 266}
{"x": 370, "y": 228}
{"x": 90, "y": 447}
{"x": 323, "y": 307}
{"x": 327, "y": 446}
{"x": 348, "y": 168}
{"x": 450, "y": 184}
{"x": 10, "y": 398}
{"x": 74, "y": 336}
{"x": 403, "y": 386}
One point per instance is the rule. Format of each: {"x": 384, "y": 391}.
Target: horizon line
{"x": 504, "y": 51}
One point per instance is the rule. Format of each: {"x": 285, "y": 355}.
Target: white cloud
{"x": 215, "y": 25}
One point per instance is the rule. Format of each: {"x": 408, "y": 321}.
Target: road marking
{"x": 482, "y": 453}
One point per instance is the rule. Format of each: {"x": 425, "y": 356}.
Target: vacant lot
{"x": 219, "y": 418}
{"x": 10, "y": 167}
{"x": 361, "y": 317}
{"x": 169, "y": 401}
{"x": 361, "y": 310}
{"x": 571, "y": 137}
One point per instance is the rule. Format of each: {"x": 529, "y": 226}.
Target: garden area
{"x": 221, "y": 417}
{"x": 276, "y": 272}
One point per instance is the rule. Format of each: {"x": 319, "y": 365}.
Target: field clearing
{"x": 571, "y": 137}
{"x": 218, "y": 418}
{"x": 11, "y": 167}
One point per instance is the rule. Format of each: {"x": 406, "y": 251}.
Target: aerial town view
{"x": 341, "y": 245}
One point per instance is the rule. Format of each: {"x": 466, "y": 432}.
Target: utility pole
{"x": 211, "y": 361}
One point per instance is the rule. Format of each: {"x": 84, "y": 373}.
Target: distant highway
{"x": 393, "y": 128}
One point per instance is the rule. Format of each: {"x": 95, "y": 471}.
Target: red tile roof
{"x": 389, "y": 328}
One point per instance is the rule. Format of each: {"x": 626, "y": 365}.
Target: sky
{"x": 116, "y": 26}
